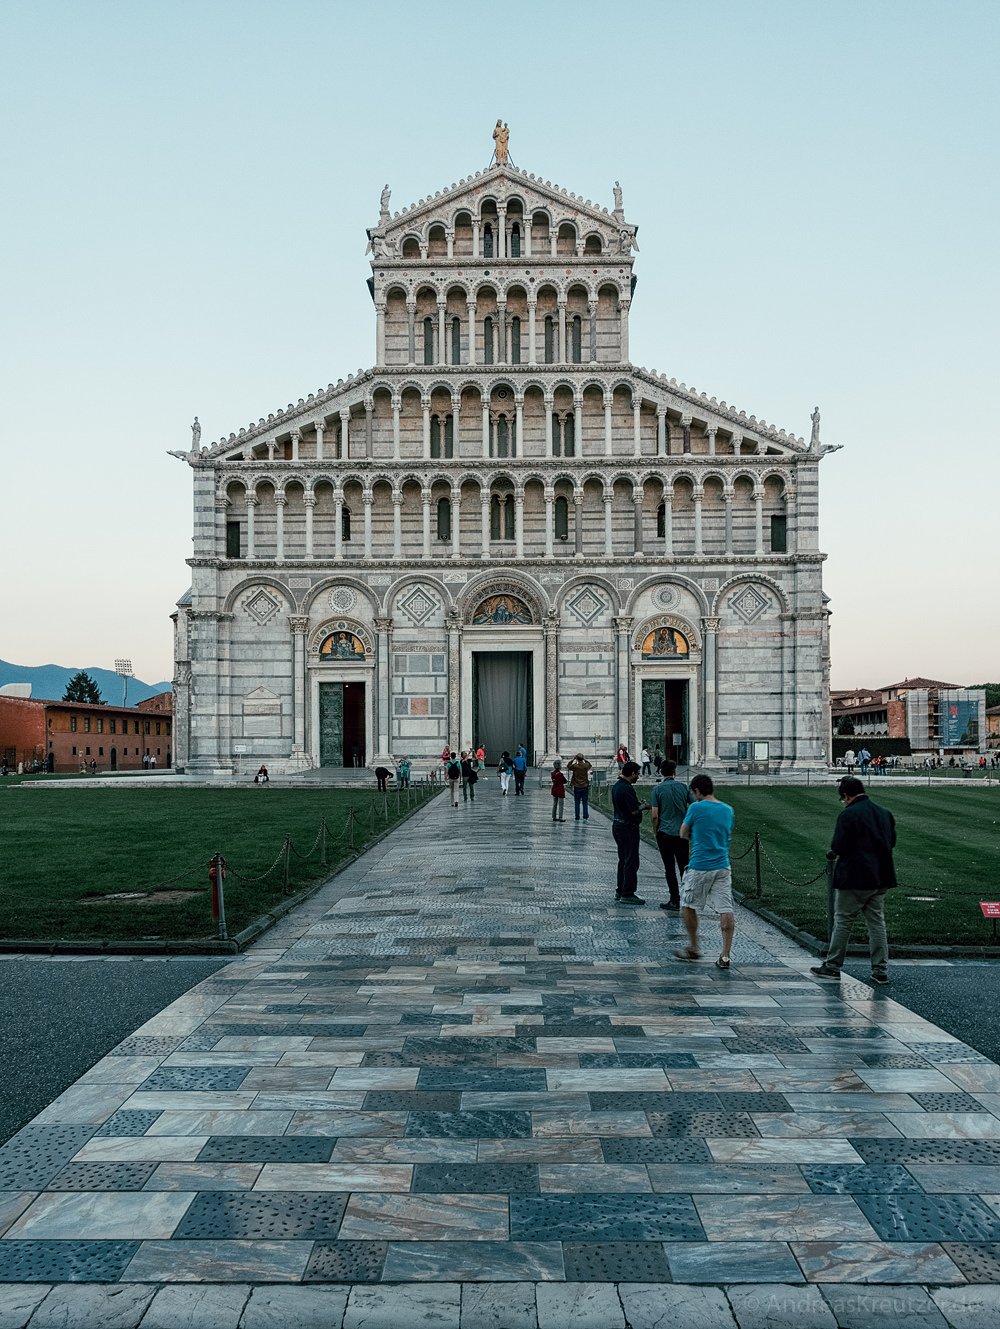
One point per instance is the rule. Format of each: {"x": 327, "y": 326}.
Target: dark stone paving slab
{"x": 274, "y": 1216}
{"x": 616, "y": 1262}
{"x": 346, "y": 1262}
{"x": 266, "y": 1149}
{"x": 624, "y": 1217}
{"x": 64, "y": 1261}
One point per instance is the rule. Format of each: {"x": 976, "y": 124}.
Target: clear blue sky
{"x": 187, "y": 187}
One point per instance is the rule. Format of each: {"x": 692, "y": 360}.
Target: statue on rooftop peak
{"x": 501, "y": 137}
{"x": 195, "y": 435}
{"x": 814, "y": 437}
{"x": 618, "y": 197}
{"x": 383, "y": 203}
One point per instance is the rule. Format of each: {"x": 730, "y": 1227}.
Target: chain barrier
{"x": 788, "y": 881}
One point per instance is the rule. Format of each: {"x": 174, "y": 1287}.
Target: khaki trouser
{"x": 847, "y": 905}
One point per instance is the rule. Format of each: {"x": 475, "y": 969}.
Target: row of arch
{"x": 510, "y": 228}
{"x": 471, "y": 290}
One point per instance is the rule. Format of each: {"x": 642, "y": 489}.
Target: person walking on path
{"x": 645, "y": 759}
{"x": 669, "y": 803}
{"x": 558, "y": 791}
{"x": 504, "y": 769}
{"x": 621, "y": 756}
{"x": 625, "y": 828}
{"x": 579, "y": 769}
{"x": 453, "y": 773}
{"x": 520, "y": 764}
{"x": 481, "y": 759}
{"x": 863, "y": 840}
{"x": 707, "y": 886}
{"x": 849, "y": 760}
{"x": 469, "y": 777}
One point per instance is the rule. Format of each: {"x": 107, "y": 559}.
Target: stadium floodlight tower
{"x": 124, "y": 669}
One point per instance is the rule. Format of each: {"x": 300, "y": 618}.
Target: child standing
{"x": 558, "y": 791}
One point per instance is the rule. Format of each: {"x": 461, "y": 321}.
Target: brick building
{"x": 68, "y": 734}
{"x": 931, "y": 716}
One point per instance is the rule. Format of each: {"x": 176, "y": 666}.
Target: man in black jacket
{"x": 625, "y": 828}
{"x": 863, "y": 841}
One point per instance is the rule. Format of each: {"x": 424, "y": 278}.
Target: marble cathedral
{"x": 503, "y": 531}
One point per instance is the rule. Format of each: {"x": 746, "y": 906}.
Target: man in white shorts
{"x": 707, "y": 884}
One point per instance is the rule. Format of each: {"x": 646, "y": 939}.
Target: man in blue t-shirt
{"x": 520, "y": 765}
{"x": 707, "y": 886}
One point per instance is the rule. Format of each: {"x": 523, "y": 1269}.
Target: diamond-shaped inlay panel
{"x": 261, "y": 607}
{"x": 750, "y": 604}
{"x": 587, "y": 606}
{"x": 418, "y": 604}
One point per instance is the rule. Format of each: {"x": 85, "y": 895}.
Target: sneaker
{"x": 629, "y": 899}
{"x": 822, "y": 971}
{"x": 880, "y": 980}
{"x": 673, "y": 908}
{"x": 722, "y": 962}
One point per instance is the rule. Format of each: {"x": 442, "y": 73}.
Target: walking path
{"x": 460, "y": 1087}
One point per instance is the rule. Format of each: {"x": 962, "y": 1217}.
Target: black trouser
{"x": 674, "y": 852}
{"x": 627, "y": 840}
{"x": 519, "y": 781}
{"x": 382, "y": 783}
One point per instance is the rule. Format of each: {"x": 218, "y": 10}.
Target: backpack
{"x": 454, "y": 770}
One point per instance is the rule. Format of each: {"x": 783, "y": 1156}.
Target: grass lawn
{"x": 948, "y": 849}
{"x": 64, "y": 851}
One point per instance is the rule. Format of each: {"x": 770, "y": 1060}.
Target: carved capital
{"x": 309, "y": 499}
{"x": 686, "y": 421}
{"x": 711, "y": 624}
{"x": 281, "y": 498}
{"x": 383, "y": 625}
{"x": 299, "y": 624}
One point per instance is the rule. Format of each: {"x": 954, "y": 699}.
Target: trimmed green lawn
{"x": 948, "y": 849}
{"x": 66, "y": 850}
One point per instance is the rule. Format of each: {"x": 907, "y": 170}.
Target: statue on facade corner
{"x": 195, "y": 435}
{"x": 383, "y": 203}
{"x": 814, "y": 437}
{"x": 501, "y": 137}
{"x": 618, "y": 197}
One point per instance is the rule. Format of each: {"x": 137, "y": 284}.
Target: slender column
{"x": 217, "y": 542}
{"x": 792, "y": 519}
{"x": 296, "y": 437}
{"x": 517, "y": 450}
{"x": 609, "y": 542}
{"x": 484, "y": 522}
{"x": 519, "y": 524}
{"x": 550, "y": 633}
{"x": 553, "y": 237}
{"x": 577, "y": 427}
{"x": 270, "y": 450}
{"x": 758, "y": 499}
{"x": 501, "y": 346}
{"x": 320, "y": 430}
{"x": 454, "y": 679}
{"x": 637, "y": 523}
{"x": 697, "y": 523}
{"x": 486, "y": 428}
{"x": 729, "y": 521}
{"x": 532, "y": 353}
{"x": 279, "y": 503}
{"x": 380, "y": 333}
{"x": 383, "y": 627}
{"x": 252, "y": 502}
{"x": 345, "y": 435}
{"x": 548, "y": 427}
{"x": 661, "y": 431}
{"x": 425, "y": 500}
{"x": 442, "y": 346}
{"x": 607, "y": 424}
{"x": 502, "y": 230}
{"x": 309, "y": 500}
{"x": 686, "y": 427}
{"x": 470, "y": 309}
{"x": 527, "y": 236}
{"x": 338, "y": 525}
{"x": 475, "y": 238}
{"x": 450, "y": 237}
{"x": 668, "y": 523}
{"x": 711, "y": 629}
{"x": 411, "y": 332}
{"x": 623, "y": 629}
{"x": 561, "y": 419}
{"x": 623, "y": 308}
{"x": 369, "y": 441}
{"x": 299, "y": 627}
{"x": 549, "y": 522}
{"x": 456, "y": 520}
{"x": 592, "y": 329}
{"x": 578, "y": 503}
{"x": 368, "y": 499}
{"x": 737, "y": 444}
{"x": 636, "y": 428}
{"x": 711, "y": 431}
{"x": 562, "y": 332}
{"x": 397, "y": 524}
{"x": 426, "y": 404}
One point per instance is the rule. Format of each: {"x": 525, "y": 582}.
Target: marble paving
{"x": 463, "y": 1070}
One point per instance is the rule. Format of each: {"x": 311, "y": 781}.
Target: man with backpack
{"x": 520, "y": 764}
{"x": 453, "y": 774}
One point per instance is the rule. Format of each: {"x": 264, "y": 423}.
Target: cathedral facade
{"x": 504, "y": 531}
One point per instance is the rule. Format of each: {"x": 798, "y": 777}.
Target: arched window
{"x": 345, "y": 522}
{"x": 488, "y": 240}
{"x": 576, "y": 337}
{"x": 488, "y": 340}
{"x": 661, "y": 520}
{"x": 443, "y": 436}
{"x": 550, "y": 340}
{"x": 562, "y": 518}
{"x": 503, "y": 437}
{"x": 428, "y": 341}
{"x": 444, "y": 519}
{"x": 515, "y": 340}
{"x": 502, "y": 517}
{"x": 515, "y": 241}
{"x": 456, "y": 341}
{"x": 449, "y": 437}
{"x": 570, "y": 436}
{"x": 435, "y": 436}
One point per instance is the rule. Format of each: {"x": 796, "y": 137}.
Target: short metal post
{"x": 219, "y": 895}
{"x": 322, "y": 841}
{"x": 284, "y": 867}
{"x": 351, "y": 816}
{"x": 756, "y": 865}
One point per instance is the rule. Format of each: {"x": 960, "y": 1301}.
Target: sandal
{"x": 722, "y": 962}
{"x": 688, "y": 954}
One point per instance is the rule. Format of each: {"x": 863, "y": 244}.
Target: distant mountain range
{"x": 48, "y": 682}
